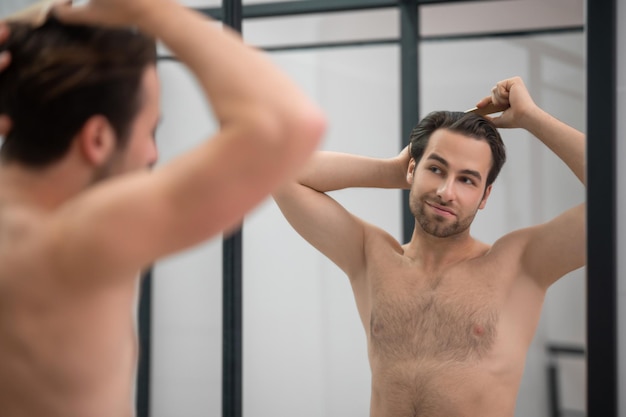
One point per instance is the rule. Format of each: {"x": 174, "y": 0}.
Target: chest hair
{"x": 437, "y": 321}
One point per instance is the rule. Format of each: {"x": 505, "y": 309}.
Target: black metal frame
{"x": 601, "y": 217}
{"x": 554, "y": 352}
{"x": 144, "y": 316}
{"x": 409, "y": 46}
{"x": 601, "y": 208}
{"x": 294, "y": 8}
{"x": 232, "y": 290}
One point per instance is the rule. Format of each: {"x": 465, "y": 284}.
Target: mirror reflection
{"x": 533, "y": 187}
{"x": 305, "y": 338}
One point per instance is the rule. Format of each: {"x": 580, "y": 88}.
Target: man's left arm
{"x": 552, "y": 249}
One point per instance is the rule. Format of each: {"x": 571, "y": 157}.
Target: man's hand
{"x": 402, "y": 161}
{"x": 5, "y": 60}
{"x": 512, "y": 95}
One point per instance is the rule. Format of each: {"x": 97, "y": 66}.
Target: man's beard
{"x": 435, "y": 225}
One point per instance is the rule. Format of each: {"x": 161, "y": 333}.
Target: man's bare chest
{"x": 440, "y": 318}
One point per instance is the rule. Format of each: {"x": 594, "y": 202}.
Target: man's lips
{"x": 442, "y": 210}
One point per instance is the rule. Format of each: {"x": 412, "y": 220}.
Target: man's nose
{"x": 446, "y": 190}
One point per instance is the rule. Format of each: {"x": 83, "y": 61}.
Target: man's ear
{"x": 410, "y": 173}
{"x": 485, "y": 197}
{"x": 97, "y": 141}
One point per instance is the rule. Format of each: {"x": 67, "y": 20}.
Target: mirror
{"x": 305, "y": 350}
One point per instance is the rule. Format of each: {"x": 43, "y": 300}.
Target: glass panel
{"x": 332, "y": 27}
{"x": 534, "y": 185}
{"x": 266, "y": 1}
{"x": 305, "y": 351}
{"x": 187, "y": 293}
{"x": 498, "y": 16}
{"x": 201, "y": 3}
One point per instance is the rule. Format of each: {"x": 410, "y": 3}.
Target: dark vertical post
{"x": 145, "y": 326}
{"x": 553, "y": 389}
{"x": 409, "y": 85}
{"x": 232, "y": 357}
{"x": 601, "y": 209}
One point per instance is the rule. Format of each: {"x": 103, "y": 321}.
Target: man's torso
{"x": 445, "y": 343}
{"x": 68, "y": 345}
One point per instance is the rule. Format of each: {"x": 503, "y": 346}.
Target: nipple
{"x": 479, "y": 330}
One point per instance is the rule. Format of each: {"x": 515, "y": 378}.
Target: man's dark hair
{"x": 60, "y": 76}
{"x": 467, "y": 124}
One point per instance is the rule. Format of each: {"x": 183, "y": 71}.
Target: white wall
{"x": 187, "y": 293}
{"x": 8, "y": 7}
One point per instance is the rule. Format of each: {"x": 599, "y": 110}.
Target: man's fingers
{"x": 5, "y": 125}
{"x": 5, "y": 60}
{"x": 500, "y": 95}
{"x": 482, "y": 103}
{"x": 503, "y": 90}
{"x": 4, "y": 32}
{"x": 5, "y": 57}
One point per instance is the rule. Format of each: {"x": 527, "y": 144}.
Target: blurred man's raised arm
{"x": 268, "y": 128}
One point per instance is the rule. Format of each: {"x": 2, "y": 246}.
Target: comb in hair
{"x": 488, "y": 109}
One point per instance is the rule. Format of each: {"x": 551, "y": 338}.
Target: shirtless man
{"x": 448, "y": 319}
{"x": 79, "y": 221}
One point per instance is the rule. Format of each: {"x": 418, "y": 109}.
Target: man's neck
{"x": 435, "y": 253}
{"x": 45, "y": 188}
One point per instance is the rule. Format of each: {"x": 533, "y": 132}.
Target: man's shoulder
{"x": 377, "y": 239}
{"x": 23, "y": 245}
{"x": 512, "y": 239}
{"x": 506, "y": 252}
{"x": 20, "y": 223}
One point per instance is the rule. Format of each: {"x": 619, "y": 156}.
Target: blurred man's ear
{"x": 97, "y": 140}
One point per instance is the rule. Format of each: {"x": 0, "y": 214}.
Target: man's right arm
{"x": 268, "y": 128}
{"x": 322, "y": 221}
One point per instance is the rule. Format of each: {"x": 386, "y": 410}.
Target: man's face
{"x": 140, "y": 151}
{"x": 448, "y": 184}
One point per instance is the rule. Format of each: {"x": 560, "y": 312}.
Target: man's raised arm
{"x": 322, "y": 221}
{"x": 268, "y": 129}
{"x": 557, "y": 247}
{"x": 565, "y": 141}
